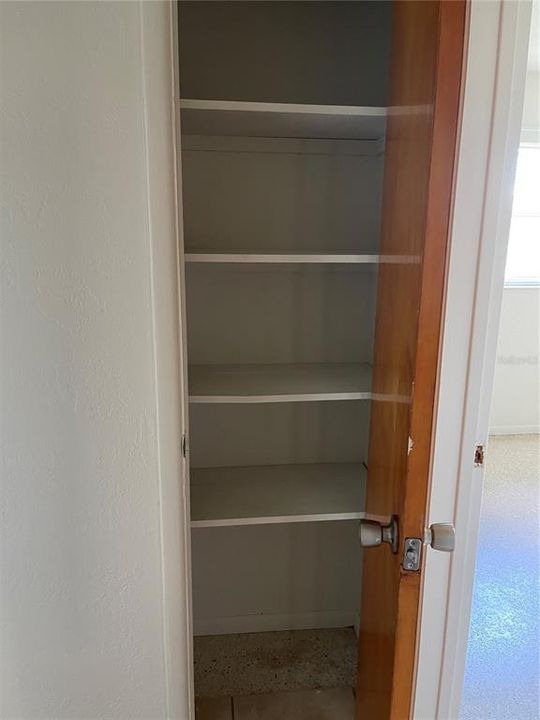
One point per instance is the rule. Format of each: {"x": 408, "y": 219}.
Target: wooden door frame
{"x": 493, "y": 101}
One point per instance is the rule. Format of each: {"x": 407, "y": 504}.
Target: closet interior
{"x": 283, "y": 114}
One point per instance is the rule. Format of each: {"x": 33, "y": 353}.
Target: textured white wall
{"x": 82, "y": 607}
{"x": 515, "y": 406}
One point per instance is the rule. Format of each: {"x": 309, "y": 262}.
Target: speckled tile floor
{"x": 270, "y": 662}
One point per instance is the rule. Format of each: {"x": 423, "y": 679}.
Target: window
{"x": 523, "y": 259}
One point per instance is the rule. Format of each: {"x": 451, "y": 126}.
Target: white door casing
{"x": 491, "y": 121}
{"x": 160, "y": 80}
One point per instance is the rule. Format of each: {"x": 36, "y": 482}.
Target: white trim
{"x": 279, "y": 519}
{"x": 285, "y": 108}
{"x": 265, "y": 399}
{"x": 267, "y": 622}
{"x": 521, "y": 284}
{"x": 514, "y": 430}
{"x": 283, "y": 258}
{"x": 287, "y": 120}
{"x": 495, "y": 78}
{"x": 296, "y": 397}
{"x": 156, "y": 24}
{"x": 181, "y": 293}
{"x": 306, "y": 257}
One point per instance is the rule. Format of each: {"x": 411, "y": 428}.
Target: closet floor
{"x": 329, "y": 704}
{"x": 274, "y": 662}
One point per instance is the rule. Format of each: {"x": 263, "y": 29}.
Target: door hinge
{"x": 184, "y": 445}
{"x": 479, "y": 454}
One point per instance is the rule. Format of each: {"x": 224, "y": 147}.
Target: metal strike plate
{"x": 412, "y": 554}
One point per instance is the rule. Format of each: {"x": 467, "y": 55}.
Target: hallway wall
{"x": 82, "y": 596}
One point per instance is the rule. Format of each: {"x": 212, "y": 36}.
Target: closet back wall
{"x": 333, "y": 53}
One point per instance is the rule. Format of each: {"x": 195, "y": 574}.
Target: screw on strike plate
{"x": 479, "y": 456}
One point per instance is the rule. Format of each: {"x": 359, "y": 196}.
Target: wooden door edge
{"x": 447, "y": 119}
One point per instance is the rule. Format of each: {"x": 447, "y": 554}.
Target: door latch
{"x": 440, "y": 536}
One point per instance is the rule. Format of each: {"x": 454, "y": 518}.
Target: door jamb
{"x": 493, "y": 101}
{"x": 158, "y": 48}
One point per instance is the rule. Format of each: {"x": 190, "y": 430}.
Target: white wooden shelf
{"x": 277, "y": 494}
{"x": 279, "y": 383}
{"x": 260, "y": 119}
{"x": 242, "y": 256}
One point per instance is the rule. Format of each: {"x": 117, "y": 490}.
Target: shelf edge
{"x": 284, "y": 258}
{"x": 278, "y": 519}
{"x": 282, "y": 398}
{"x": 287, "y": 108}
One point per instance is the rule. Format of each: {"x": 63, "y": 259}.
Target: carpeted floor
{"x": 502, "y": 670}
